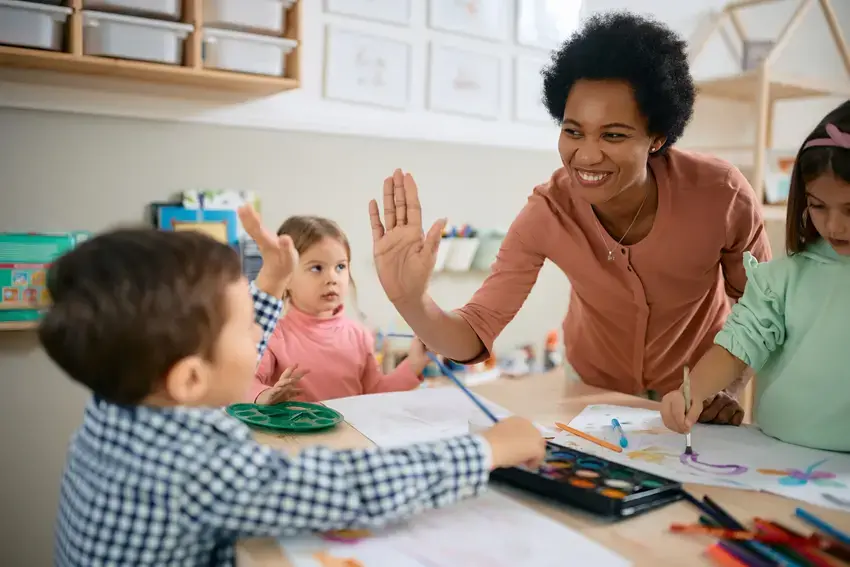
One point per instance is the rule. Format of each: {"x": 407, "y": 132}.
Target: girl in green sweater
{"x": 791, "y": 325}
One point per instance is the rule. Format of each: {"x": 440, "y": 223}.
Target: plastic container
{"x": 131, "y": 37}
{"x": 31, "y": 24}
{"x": 172, "y": 9}
{"x": 256, "y": 15}
{"x": 461, "y": 253}
{"x": 443, "y": 253}
{"x": 245, "y": 52}
{"x": 486, "y": 254}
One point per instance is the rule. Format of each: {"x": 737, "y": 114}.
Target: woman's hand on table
{"x": 404, "y": 255}
{"x": 722, "y": 409}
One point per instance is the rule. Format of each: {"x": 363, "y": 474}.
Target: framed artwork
{"x": 545, "y": 24}
{"x": 755, "y": 51}
{"x": 390, "y": 11}
{"x": 464, "y": 81}
{"x": 528, "y": 91}
{"x": 367, "y": 69}
{"x": 486, "y": 19}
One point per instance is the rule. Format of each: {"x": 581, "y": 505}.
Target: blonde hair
{"x": 306, "y": 231}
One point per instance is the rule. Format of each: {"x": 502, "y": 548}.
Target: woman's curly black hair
{"x": 638, "y": 50}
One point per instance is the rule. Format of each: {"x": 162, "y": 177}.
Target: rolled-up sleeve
{"x": 511, "y": 278}
{"x": 756, "y": 327}
{"x": 745, "y": 232}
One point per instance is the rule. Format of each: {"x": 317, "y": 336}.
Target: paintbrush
{"x": 686, "y": 390}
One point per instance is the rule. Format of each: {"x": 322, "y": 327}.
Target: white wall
{"x": 810, "y": 53}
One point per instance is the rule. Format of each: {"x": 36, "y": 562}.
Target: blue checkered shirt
{"x": 179, "y": 486}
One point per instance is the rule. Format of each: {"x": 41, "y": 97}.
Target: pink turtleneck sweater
{"x": 338, "y": 352}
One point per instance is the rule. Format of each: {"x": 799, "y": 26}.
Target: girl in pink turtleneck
{"x": 335, "y": 353}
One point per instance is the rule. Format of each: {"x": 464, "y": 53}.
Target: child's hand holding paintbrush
{"x": 680, "y": 409}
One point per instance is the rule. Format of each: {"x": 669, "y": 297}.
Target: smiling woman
{"x": 651, "y": 238}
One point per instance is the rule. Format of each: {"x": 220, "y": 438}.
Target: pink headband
{"x": 837, "y": 139}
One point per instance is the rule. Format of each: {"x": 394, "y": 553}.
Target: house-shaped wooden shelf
{"x": 762, "y": 87}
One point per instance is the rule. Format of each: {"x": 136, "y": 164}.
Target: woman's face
{"x": 604, "y": 143}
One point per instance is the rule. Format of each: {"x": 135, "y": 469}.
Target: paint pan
{"x": 592, "y": 483}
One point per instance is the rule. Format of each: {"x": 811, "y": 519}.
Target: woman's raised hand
{"x": 404, "y": 255}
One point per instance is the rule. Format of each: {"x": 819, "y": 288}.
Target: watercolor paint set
{"x": 592, "y": 484}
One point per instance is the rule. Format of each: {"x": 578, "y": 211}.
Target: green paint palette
{"x": 286, "y": 416}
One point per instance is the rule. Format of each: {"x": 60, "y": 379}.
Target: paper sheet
{"x": 490, "y": 530}
{"x": 738, "y": 457}
{"x": 401, "y": 418}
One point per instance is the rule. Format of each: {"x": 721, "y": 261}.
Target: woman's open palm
{"x": 404, "y": 255}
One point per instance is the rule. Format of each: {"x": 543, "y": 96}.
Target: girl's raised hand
{"x": 278, "y": 252}
{"x": 404, "y": 255}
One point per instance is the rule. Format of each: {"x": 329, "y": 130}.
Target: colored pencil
{"x": 742, "y": 553}
{"x": 833, "y": 548}
{"x": 767, "y": 552}
{"x": 802, "y": 548}
{"x": 451, "y": 376}
{"x": 724, "y": 533}
{"x": 587, "y": 437}
{"x": 686, "y": 387}
{"x": 822, "y": 526}
{"x": 723, "y": 557}
{"x": 615, "y": 423}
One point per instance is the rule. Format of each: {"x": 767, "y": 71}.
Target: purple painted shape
{"x": 693, "y": 462}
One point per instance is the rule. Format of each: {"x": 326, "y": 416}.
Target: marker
{"x": 619, "y": 429}
{"x": 686, "y": 387}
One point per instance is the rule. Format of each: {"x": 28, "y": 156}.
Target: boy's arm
{"x": 244, "y": 489}
{"x": 267, "y": 310}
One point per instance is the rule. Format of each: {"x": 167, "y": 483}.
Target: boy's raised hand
{"x": 278, "y": 253}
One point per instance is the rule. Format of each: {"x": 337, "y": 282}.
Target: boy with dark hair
{"x": 164, "y": 329}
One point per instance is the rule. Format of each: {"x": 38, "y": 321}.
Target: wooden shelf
{"x": 744, "y": 87}
{"x": 22, "y": 58}
{"x": 73, "y": 62}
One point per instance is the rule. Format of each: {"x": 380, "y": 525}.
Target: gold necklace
{"x": 634, "y": 220}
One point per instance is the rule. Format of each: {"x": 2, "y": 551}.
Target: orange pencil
{"x": 591, "y": 438}
{"x": 723, "y": 558}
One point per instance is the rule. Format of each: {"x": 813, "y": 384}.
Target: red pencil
{"x": 722, "y": 557}
{"x": 725, "y": 533}
{"x": 804, "y": 548}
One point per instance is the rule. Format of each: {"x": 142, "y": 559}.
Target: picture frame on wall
{"x": 528, "y": 90}
{"x": 366, "y": 69}
{"x": 546, "y": 24}
{"x": 487, "y": 19}
{"x": 396, "y": 12}
{"x": 464, "y": 81}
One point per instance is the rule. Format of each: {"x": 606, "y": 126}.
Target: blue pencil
{"x": 822, "y": 526}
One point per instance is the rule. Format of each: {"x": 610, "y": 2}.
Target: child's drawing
{"x": 654, "y": 455}
{"x": 693, "y": 461}
{"x": 796, "y": 477}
